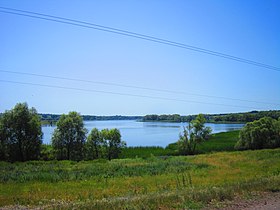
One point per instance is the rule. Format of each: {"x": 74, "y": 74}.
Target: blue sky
{"x": 247, "y": 29}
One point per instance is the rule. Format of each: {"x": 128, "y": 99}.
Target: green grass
{"x": 145, "y": 152}
{"x": 217, "y": 142}
{"x": 57, "y": 171}
{"x": 152, "y": 183}
{"x": 224, "y": 141}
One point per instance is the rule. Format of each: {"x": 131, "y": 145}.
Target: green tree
{"x": 94, "y": 144}
{"x": 68, "y": 139}
{"x": 259, "y": 134}
{"x": 195, "y": 133}
{"x": 47, "y": 152}
{"x": 112, "y": 142}
{"x": 20, "y": 134}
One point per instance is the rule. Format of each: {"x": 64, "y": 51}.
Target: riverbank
{"x": 223, "y": 141}
{"x": 136, "y": 133}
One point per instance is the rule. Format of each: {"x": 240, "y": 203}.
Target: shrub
{"x": 260, "y": 134}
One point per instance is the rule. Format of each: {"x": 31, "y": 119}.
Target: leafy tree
{"x": 94, "y": 144}
{"x": 176, "y": 118}
{"x": 151, "y": 117}
{"x": 186, "y": 144}
{"x": 47, "y": 152}
{"x": 68, "y": 139}
{"x": 195, "y": 133}
{"x": 112, "y": 142}
{"x": 259, "y": 134}
{"x": 20, "y": 134}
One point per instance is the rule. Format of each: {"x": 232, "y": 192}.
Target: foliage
{"x": 146, "y": 152}
{"x": 20, "y": 134}
{"x": 49, "y": 117}
{"x": 217, "y": 142}
{"x": 260, "y": 134}
{"x": 63, "y": 171}
{"x": 113, "y": 143}
{"x": 68, "y": 139}
{"x": 47, "y": 152}
{"x": 52, "y": 118}
{"x": 224, "y": 141}
{"x": 163, "y": 118}
{"x": 216, "y": 118}
{"x": 94, "y": 145}
{"x": 196, "y": 133}
{"x": 154, "y": 183}
{"x": 116, "y": 117}
{"x": 104, "y": 144}
{"x": 246, "y": 117}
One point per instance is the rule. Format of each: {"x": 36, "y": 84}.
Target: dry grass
{"x": 175, "y": 182}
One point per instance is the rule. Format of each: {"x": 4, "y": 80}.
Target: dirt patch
{"x": 263, "y": 201}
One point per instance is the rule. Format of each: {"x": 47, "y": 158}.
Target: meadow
{"x": 150, "y": 183}
{"x": 224, "y": 141}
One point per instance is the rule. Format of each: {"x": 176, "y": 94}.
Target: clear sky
{"x": 248, "y": 29}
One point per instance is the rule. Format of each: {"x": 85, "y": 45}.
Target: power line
{"x": 134, "y": 35}
{"x": 134, "y": 87}
{"x": 123, "y": 94}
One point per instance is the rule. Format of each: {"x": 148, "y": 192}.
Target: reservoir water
{"x": 143, "y": 133}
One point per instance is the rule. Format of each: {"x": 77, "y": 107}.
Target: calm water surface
{"x": 144, "y": 133}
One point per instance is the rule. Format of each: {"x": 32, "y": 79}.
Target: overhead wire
{"x": 123, "y": 94}
{"x": 134, "y": 87}
{"x": 132, "y": 34}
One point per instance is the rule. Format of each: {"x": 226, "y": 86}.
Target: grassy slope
{"x": 224, "y": 141}
{"x": 218, "y": 142}
{"x": 175, "y": 182}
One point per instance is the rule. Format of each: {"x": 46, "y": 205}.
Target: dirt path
{"x": 266, "y": 201}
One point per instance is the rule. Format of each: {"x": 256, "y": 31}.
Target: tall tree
{"x": 94, "y": 144}
{"x": 68, "y": 139}
{"x": 112, "y": 142}
{"x": 195, "y": 133}
{"x": 116, "y": 144}
{"x": 20, "y": 134}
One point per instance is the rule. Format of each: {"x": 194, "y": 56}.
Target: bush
{"x": 260, "y": 134}
{"x": 195, "y": 133}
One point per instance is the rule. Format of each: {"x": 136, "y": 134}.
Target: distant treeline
{"x": 52, "y": 118}
{"x": 216, "y": 118}
{"x": 116, "y": 117}
{"x": 213, "y": 118}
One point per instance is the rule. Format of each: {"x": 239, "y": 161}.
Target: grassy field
{"x": 166, "y": 182}
{"x": 224, "y": 141}
{"x": 218, "y": 142}
{"x": 146, "y": 152}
